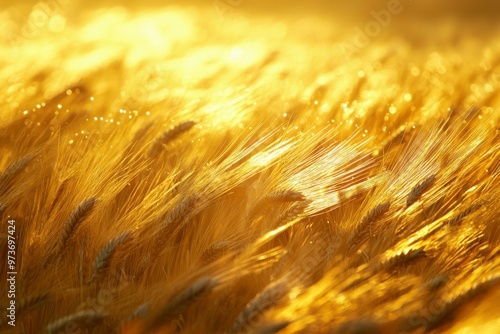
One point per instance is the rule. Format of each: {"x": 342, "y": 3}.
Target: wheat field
{"x": 209, "y": 170}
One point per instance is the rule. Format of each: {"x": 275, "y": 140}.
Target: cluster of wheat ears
{"x": 172, "y": 172}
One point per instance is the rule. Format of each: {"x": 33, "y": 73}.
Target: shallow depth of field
{"x": 236, "y": 167}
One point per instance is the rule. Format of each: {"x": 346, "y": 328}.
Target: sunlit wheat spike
{"x": 59, "y": 193}
{"x": 31, "y": 302}
{"x": 397, "y": 138}
{"x": 85, "y": 319}
{"x": 173, "y": 220}
{"x": 11, "y": 171}
{"x": 471, "y": 209}
{"x": 286, "y": 195}
{"x": 168, "y": 136}
{"x": 182, "y": 210}
{"x": 138, "y": 136}
{"x": 273, "y": 328}
{"x": 402, "y": 259}
{"x": 103, "y": 259}
{"x": 139, "y": 312}
{"x": 436, "y": 282}
{"x": 419, "y": 189}
{"x": 455, "y": 303}
{"x": 81, "y": 212}
{"x": 260, "y": 304}
{"x": 293, "y": 212}
{"x": 362, "y": 228}
{"x": 215, "y": 251}
{"x": 279, "y": 196}
{"x": 183, "y": 300}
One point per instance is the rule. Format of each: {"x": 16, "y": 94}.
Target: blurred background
{"x": 416, "y": 20}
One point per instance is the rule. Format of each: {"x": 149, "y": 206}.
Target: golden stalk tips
{"x": 362, "y": 227}
{"x": 419, "y": 189}
{"x": 275, "y": 197}
{"x": 215, "y": 251}
{"x": 402, "y": 259}
{"x": 81, "y": 212}
{"x": 437, "y": 282}
{"x": 173, "y": 221}
{"x": 471, "y": 209}
{"x": 182, "y": 301}
{"x": 11, "y": 171}
{"x": 85, "y": 319}
{"x": 398, "y": 137}
{"x": 286, "y": 195}
{"x": 182, "y": 210}
{"x": 268, "y": 298}
{"x": 168, "y": 136}
{"x": 31, "y": 302}
{"x": 292, "y": 213}
{"x": 58, "y": 195}
{"x": 103, "y": 259}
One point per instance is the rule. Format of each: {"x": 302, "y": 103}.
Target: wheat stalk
{"x": 268, "y": 298}
{"x": 417, "y": 191}
{"x": 78, "y": 215}
{"x": 32, "y": 301}
{"x": 279, "y": 196}
{"x": 183, "y": 300}
{"x": 436, "y": 283}
{"x": 397, "y": 138}
{"x": 471, "y": 209}
{"x": 173, "y": 220}
{"x": 103, "y": 259}
{"x": 402, "y": 259}
{"x": 58, "y": 195}
{"x": 169, "y": 136}
{"x": 84, "y": 319}
{"x": 361, "y": 228}
{"x": 215, "y": 251}
{"x": 11, "y": 171}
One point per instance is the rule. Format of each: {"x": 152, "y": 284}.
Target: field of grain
{"x": 224, "y": 169}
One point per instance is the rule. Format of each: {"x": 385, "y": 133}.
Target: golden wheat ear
{"x": 181, "y": 301}
{"x": 362, "y": 228}
{"x": 103, "y": 259}
{"x": 268, "y": 298}
{"x": 12, "y": 171}
{"x": 419, "y": 189}
{"x": 168, "y": 136}
{"x": 401, "y": 260}
{"x": 76, "y": 218}
{"x": 86, "y": 319}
